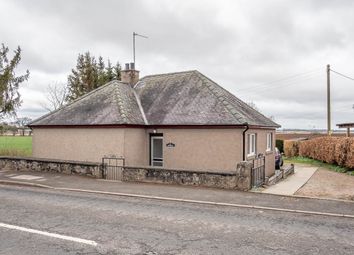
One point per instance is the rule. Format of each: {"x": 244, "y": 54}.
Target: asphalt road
{"x": 141, "y": 226}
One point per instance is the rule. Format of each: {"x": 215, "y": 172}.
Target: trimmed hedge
{"x": 291, "y": 148}
{"x": 333, "y": 150}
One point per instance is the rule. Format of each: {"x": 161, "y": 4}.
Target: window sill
{"x": 251, "y": 156}
{"x": 268, "y": 152}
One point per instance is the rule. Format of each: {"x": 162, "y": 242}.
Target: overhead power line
{"x": 345, "y": 76}
{"x": 291, "y": 77}
{"x": 261, "y": 90}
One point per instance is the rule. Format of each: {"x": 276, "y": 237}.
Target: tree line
{"x": 88, "y": 74}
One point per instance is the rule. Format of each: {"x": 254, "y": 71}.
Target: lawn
{"x": 319, "y": 163}
{"x": 15, "y": 145}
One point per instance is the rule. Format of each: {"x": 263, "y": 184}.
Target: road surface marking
{"x": 26, "y": 177}
{"x": 351, "y": 216}
{"x": 210, "y": 203}
{"x": 39, "y": 232}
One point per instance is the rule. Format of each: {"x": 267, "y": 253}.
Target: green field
{"x": 15, "y": 145}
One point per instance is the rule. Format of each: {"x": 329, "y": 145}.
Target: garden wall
{"x": 333, "y": 150}
{"x": 51, "y": 165}
{"x": 240, "y": 179}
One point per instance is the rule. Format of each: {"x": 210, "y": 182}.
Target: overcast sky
{"x": 272, "y": 53}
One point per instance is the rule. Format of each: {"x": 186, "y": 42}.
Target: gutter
{"x": 244, "y": 141}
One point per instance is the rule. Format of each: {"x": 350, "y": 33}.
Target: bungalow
{"x": 179, "y": 120}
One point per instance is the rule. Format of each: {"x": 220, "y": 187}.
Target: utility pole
{"x": 136, "y": 34}
{"x": 329, "y": 132}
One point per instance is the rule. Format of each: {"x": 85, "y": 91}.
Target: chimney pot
{"x": 130, "y": 75}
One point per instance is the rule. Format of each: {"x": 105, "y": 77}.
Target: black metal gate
{"x": 258, "y": 171}
{"x": 113, "y": 168}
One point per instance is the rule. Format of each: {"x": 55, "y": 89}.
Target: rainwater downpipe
{"x": 244, "y": 142}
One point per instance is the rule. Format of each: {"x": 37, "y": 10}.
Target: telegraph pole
{"x": 136, "y": 34}
{"x": 328, "y": 101}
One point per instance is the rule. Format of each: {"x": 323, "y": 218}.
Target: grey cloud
{"x": 239, "y": 44}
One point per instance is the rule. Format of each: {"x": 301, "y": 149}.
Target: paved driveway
{"x": 294, "y": 182}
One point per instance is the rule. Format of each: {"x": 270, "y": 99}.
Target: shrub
{"x": 291, "y": 148}
{"x": 280, "y": 145}
{"x": 338, "y": 150}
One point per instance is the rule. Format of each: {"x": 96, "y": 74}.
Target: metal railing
{"x": 113, "y": 168}
{"x": 258, "y": 171}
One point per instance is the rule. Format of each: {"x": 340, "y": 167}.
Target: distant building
{"x": 347, "y": 126}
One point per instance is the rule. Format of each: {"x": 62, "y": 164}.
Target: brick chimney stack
{"x": 129, "y": 74}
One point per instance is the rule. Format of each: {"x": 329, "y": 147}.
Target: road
{"x": 122, "y": 225}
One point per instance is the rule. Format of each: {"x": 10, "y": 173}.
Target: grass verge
{"x": 319, "y": 163}
{"x": 15, "y": 145}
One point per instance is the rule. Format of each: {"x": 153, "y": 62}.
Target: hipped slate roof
{"x": 184, "y": 98}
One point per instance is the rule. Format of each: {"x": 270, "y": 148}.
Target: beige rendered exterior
{"x": 218, "y": 149}
{"x": 80, "y": 144}
{"x": 202, "y": 149}
{"x": 261, "y": 145}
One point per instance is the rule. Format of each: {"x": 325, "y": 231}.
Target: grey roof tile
{"x": 190, "y": 98}
{"x": 113, "y": 103}
{"x": 184, "y": 98}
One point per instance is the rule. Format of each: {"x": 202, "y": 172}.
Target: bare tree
{"x": 253, "y": 105}
{"x": 22, "y": 123}
{"x": 56, "y": 95}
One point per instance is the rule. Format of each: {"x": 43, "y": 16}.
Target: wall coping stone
{"x": 225, "y": 173}
{"x": 88, "y": 163}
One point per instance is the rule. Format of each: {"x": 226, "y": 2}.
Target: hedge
{"x": 291, "y": 148}
{"x": 333, "y": 150}
{"x": 280, "y": 145}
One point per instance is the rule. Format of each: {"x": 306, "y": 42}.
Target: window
{"x": 251, "y": 141}
{"x": 269, "y": 141}
{"x": 156, "y": 150}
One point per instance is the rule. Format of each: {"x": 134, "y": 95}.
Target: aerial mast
{"x": 134, "y": 35}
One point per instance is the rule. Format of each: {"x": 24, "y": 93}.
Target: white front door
{"x": 156, "y": 150}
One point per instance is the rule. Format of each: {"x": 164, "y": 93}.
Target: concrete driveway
{"x": 293, "y": 183}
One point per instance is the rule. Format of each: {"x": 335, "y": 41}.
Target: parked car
{"x": 278, "y": 159}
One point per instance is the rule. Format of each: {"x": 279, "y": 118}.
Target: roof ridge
{"x": 140, "y": 107}
{"x": 171, "y": 73}
{"x": 120, "y": 103}
{"x": 239, "y": 100}
{"x": 225, "y": 102}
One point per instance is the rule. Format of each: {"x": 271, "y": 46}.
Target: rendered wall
{"x": 195, "y": 149}
{"x": 136, "y": 147}
{"x": 79, "y": 144}
{"x": 262, "y": 148}
{"x": 203, "y": 149}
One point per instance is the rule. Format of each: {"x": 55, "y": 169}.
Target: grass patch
{"x": 15, "y": 145}
{"x": 319, "y": 163}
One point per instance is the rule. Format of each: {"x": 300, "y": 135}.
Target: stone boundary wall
{"x": 90, "y": 169}
{"x": 240, "y": 179}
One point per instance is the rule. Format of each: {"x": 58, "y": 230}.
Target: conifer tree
{"x": 90, "y": 74}
{"x": 10, "y": 98}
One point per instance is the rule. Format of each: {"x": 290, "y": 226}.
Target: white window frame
{"x": 155, "y": 161}
{"x": 252, "y": 144}
{"x": 270, "y": 141}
